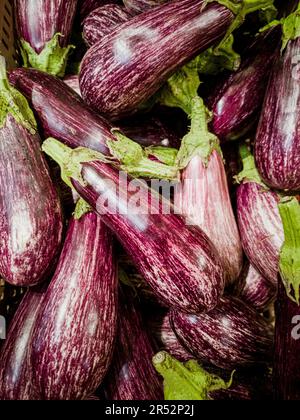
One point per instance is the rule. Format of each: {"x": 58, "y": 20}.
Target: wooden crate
{"x": 7, "y": 39}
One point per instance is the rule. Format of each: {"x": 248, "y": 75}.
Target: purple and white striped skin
{"x": 277, "y": 145}
{"x": 102, "y": 21}
{"x": 88, "y": 6}
{"x": 16, "y": 379}
{"x": 161, "y": 329}
{"x": 211, "y": 209}
{"x": 73, "y": 82}
{"x": 139, "y": 6}
{"x": 236, "y": 103}
{"x": 261, "y": 228}
{"x": 132, "y": 375}
{"x": 37, "y": 21}
{"x": 231, "y": 335}
{"x": 127, "y": 67}
{"x": 255, "y": 289}
{"x": 188, "y": 278}
{"x": 75, "y": 331}
{"x": 30, "y": 211}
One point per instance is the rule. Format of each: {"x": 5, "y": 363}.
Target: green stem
{"x": 289, "y": 264}
{"x": 186, "y": 381}
{"x": 249, "y": 172}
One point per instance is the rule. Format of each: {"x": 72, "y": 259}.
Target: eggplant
{"x": 44, "y": 28}
{"x": 206, "y": 206}
{"x": 131, "y": 375}
{"x": 30, "y": 212}
{"x": 102, "y": 21}
{"x": 139, "y": 6}
{"x": 74, "y": 334}
{"x": 277, "y": 145}
{"x": 259, "y": 221}
{"x": 256, "y": 290}
{"x": 236, "y": 103}
{"x": 123, "y": 70}
{"x": 287, "y": 346}
{"x": 73, "y": 83}
{"x": 192, "y": 278}
{"x": 88, "y": 6}
{"x": 63, "y": 114}
{"x": 231, "y": 335}
{"x": 16, "y": 376}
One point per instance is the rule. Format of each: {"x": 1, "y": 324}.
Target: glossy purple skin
{"x": 16, "y": 378}
{"x": 255, "y": 289}
{"x": 261, "y": 228}
{"x": 75, "y": 331}
{"x": 236, "y": 104}
{"x": 230, "y": 336}
{"x": 73, "y": 83}
{"x": 37, "y": 21}
{"x": 188, "y": 278}
{"x": 287, "y": 348}
{"x": 102, "y": 21}
{"x": 124, "y": 69}
{"x": 30, "y": 212}
{"x": 277, "y": 145}
{"x": 61, "y": 112}
{"x": 132, "y": 375}
{"x": 87, "y": 6}
{"x": 139, "y": 6}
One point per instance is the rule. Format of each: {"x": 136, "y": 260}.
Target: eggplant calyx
{"x": 249, "y": 172}
{"x": 14, "y": 103}
{"x": 289, "y": 264}
{"x": 187, "y": 381}
{"x": 82, "y": 208}
{"x": 52, "y": 59}
{"x": 139, "y": 162}
{"x": 199, "y": 141}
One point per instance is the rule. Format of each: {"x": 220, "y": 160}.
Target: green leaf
{"x": 289, "y": 264}
{"x": 187, "y": 381}
{"x": 52, "y": 59}
{"x": 14, "y": 103}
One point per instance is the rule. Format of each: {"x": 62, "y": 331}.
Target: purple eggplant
{"x": 259, "y": 221}
{"x": 131, "y": 375}
{"x": 139, "y": 6}
{"x": 190, "y": 278}
{"x": 63, "y": 114}
{"x": 30, "y": 212}
{"x": 73, "y": 82}
{"x": 102, "y": 21}
{"x": 231, "y": 335}
{"x": 287, "y": 347}
{"x": 236, "y": 104}
{"x": 44, "y": 28}
{"x": 277, "y": 145}
{"x": 88, "y": 6}
{"x": 16, "y": 376}
{"x": 123, "y": 70}
{"x": 256, "y": 290}
{"x": 74, "y": 333}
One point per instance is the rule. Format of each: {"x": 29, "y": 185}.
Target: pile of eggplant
{"x": 150, "y": 200}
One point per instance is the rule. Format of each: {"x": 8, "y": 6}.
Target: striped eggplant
{"x": 256, "y": 290}
{"x": 102, "y": 21}
{"x": 123, "y": 70}
{"x": 161, "y": 329}
{"x": 207, "y": 207}
{"x": 74, "y": 333}
{"x": 73, "y": 82}
{"x": 63, "y": 114}
{"x": 131, "y": 375}
{"x": 287, "y": 347}
{"x": 277, "y": 144}
{"x": 44, "y": 28}
{"x": 30, "y": 211}
{"x": 16, "y": 377}
{"x": 190, "y": 278}
{"x": 231, "y": 335}
{"x": 88, "y": 6}
{"x": 139, "y": 6}
{"x": 259, "y": 221}
{"x": 236, "y": 103}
